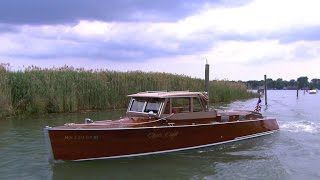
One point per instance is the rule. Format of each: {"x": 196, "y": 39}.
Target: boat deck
{"x": 135, "y": 122}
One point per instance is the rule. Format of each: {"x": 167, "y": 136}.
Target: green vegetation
{"x": 66, "y": 89}
{"x": 301, "y": 83}
{"x": 5, "y": 103}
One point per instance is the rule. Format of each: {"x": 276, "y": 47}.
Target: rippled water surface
{"x": 291, "y": 153}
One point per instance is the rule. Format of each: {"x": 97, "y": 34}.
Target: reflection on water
{"x": 292, "y": 153}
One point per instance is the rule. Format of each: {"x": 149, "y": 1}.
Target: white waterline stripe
{"x": 182, "y": 149}
{"x": 253, "y": 135}
{"x": 159, "y": 127}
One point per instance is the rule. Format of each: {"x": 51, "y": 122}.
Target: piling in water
{"x": 206, "y": 88}
{"x": 265, "y": 90}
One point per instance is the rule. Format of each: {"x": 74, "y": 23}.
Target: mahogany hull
{"x": 86, "y": 144}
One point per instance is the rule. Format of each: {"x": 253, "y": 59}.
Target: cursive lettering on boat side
{"x": 166, "y": 135}
{"x": 77, "y": 138}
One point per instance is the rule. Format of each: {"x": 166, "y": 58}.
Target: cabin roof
{"x": 165, "y": 94}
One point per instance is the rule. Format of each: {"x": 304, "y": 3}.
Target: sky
{"x": 240, "y": 39}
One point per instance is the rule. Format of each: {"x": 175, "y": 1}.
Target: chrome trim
{"x": 161, "y": 108}
{"x": 144, "y": 106}
{"x": 160, "y": 127}
{"x": 130, "y": 104}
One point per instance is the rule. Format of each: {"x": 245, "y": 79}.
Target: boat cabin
{"x": 175, "y": 105}
{"x": 167, "y": 102}
{"x": 181, "y": 107}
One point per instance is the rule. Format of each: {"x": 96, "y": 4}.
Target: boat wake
{"x": 301, "y": 126}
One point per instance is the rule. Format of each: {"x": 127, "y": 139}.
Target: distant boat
{"x": 157, "y": 122}
{"x": 313, "y": 91}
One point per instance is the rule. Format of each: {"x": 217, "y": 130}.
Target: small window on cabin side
{"x": 197, "y": 105}
{"x": 180, "y": 105}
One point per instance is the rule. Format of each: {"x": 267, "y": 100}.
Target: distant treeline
{"x": 67, "y": 89}
{"x": 300, "y": 83}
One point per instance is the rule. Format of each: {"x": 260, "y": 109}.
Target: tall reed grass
{"x": 5, "y": 98}
{"x": 66, "y": 89}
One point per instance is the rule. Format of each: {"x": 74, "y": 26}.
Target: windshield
{"x": 152, "y": 107}
{"x": 146, "y": 106}
{"x": 137, "y": 106}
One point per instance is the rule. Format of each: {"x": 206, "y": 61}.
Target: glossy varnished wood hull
{"x": 86, "y": 144}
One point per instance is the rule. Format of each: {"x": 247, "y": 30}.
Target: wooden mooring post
{"x": 265, "y": 90}
{"x": 298, "y": 90}
{"x": 206, "y": 85}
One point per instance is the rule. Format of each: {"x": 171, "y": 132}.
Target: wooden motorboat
{"x": 156, "y": 122}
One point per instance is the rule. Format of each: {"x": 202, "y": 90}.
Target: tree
{"x": 292, "y": 84}
{"x": 303, "y": 82}
{"x": 270, "y": 83}
{"x": 279, "y": 84}
{"x": 315, "y": 83}
{"x": 253, "y": 84}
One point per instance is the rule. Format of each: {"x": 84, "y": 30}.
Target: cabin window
{"x": 180, "y": 105}
{"x": 197, "y": 107}
{"x": 152, "y": 106}
{"x": 145, "y": 105}
{"x": 167, "y": 107}
{"x": 137, "y": 105}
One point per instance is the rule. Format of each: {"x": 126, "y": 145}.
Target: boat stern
{"x": 48, "y": 143}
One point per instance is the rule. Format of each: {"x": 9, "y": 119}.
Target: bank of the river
{"x": 291, "y": 153}
{"x": 59, "y": 90}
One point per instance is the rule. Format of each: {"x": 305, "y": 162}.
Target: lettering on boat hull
{"x": 162, "y": 135}
{"x": 79, "y": 138}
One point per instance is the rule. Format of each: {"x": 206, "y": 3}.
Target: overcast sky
{"x": 241, "y": 39}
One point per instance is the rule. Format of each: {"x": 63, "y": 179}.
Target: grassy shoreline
{"x": 66, "y": 89}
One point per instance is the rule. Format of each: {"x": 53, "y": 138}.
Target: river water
{"x": 291, "y": 153}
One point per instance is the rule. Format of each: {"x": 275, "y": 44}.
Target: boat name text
{"x": 81, "y": 137}
{"x": 156, "y": 135}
